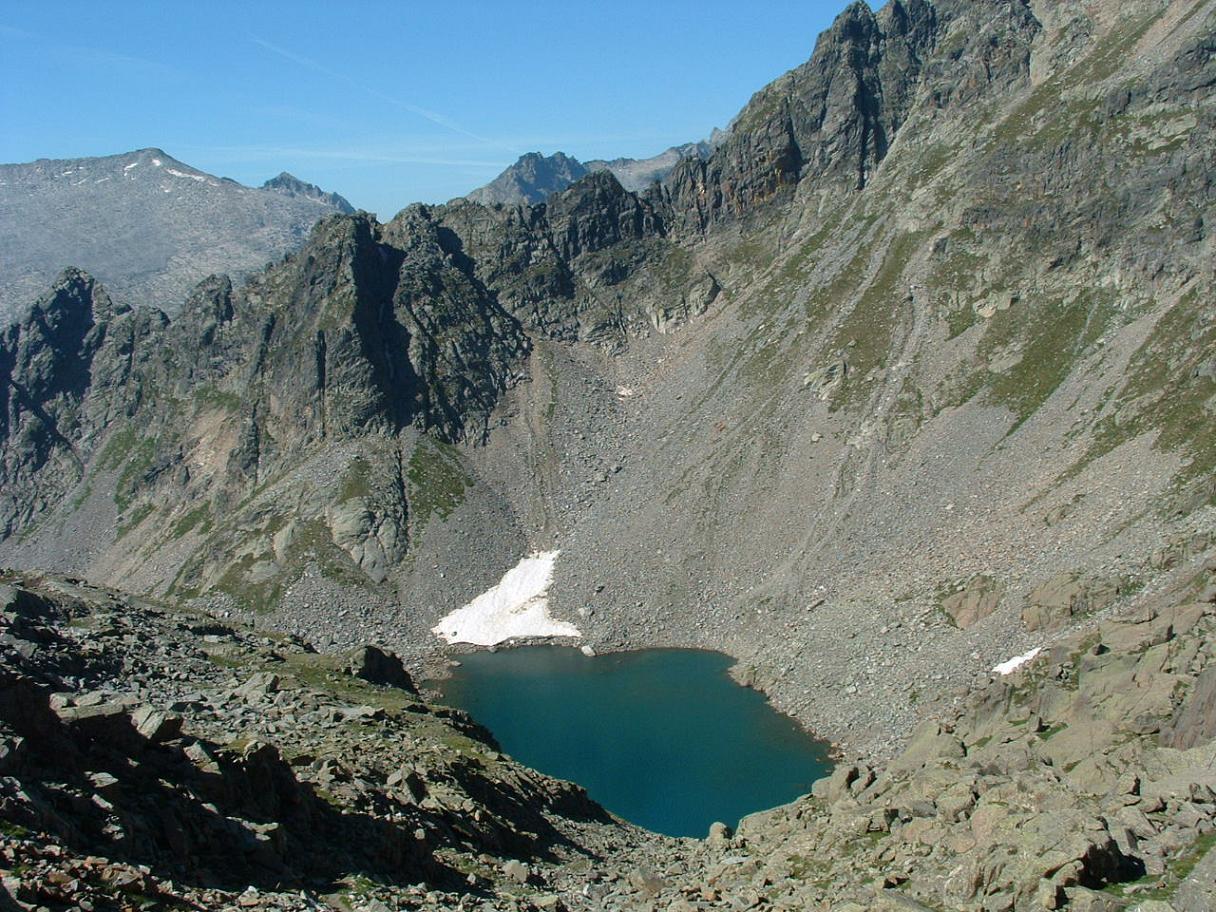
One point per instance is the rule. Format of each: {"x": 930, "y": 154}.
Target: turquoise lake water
{"x": 661, "y": 737}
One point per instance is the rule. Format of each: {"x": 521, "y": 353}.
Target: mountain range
{"x": 911, "y": 374}
{"x": 535, "y": 177}
{"x": 144, "y": 223}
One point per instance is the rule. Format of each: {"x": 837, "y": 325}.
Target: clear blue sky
{"x": 387, "y": 103}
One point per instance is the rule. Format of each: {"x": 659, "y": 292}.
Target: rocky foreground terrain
{"x": 153, "y": 757}
{"x": 912, "y": 374}
{"x": 143, "y": 222}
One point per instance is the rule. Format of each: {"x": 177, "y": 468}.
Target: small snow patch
{"x": 1017, "y": 662}
{"x": 517, "y": 607}
{"x": 156, "y": 162}
{"x": 130, "y": 166}
{"x": 193, "y": 177}
{"x": 625, "y": 392}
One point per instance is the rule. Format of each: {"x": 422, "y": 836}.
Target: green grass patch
{"x": 1165, "y": 393}
{"x": 355, "y": 482}
{"x": 13, "y": 830}
{"x": 212, "y": 396}
{"x": 866, "y": 333}
{"x": 1178, "y": 869}
{"x": 199, "y": 518}
{"x": 137, "y": 516}
{"x": 437, "y": 481}
{"x": 133, "y": 455}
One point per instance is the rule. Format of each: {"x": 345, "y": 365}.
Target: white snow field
{"x": 517, "y": 607}
{"x": 1012, "y": 665}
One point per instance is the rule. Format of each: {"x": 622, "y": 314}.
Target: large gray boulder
{"x": 376, "y": 666}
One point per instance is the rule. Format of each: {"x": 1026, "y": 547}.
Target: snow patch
{"x": 193, "y": 177}
{"x": 1017, "y": 662}
{"x": 517, "y": 607}
{"x": 625, "y": 392}
{"x": 130, "y": 166}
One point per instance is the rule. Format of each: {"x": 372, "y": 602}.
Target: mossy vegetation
{"x": 134, "y": 519}
{"x": 256, "y": 579}
{"x": 866, "y": 333}
{"x": 1163, "y": 887}
{"x": 197, "y": 519}
{"x": 132, "y": 455}
{"x": 355, "y": 482}
{"x": 1171, "y": 390}
{"x": 1056, "y": 335}
{"x": 212, "y": 396}
{"x": 437, "y": 481}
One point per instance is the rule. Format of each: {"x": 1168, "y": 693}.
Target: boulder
{"x": 377, "y": 666}
{"x": 719, "y": 834}
{"x": 1195, "y": 721}
{"x": 18, "y": 602}
{"x": 976, "y": 601}
{"x": 156, "y": 725}
{"x": 260, "y": 685}
{"x": 1053, "y": 605}
{"x": 516, "y": 871}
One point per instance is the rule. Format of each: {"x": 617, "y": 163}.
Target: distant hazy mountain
{"x": 145, "y": 224}
{"x": 531, "y": 179}
{"x": 535, "y": 176}
{"x": 290, "y": 185}
{"x": 639, "y": 173}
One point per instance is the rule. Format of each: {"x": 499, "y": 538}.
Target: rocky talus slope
{"x": 912, "y": 374}
{"x": 155, "y": 757}
{"x": 147, "y": 225}
{"x": 158, "y": 758}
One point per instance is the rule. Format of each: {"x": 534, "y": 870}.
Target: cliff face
{"x": 832, "y": 119}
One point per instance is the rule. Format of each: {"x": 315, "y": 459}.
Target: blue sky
{"x": 387, "y": 103}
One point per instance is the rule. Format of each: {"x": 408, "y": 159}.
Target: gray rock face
{"x": 64, "y": 372}
{"x": 290, "y": 185}
{"x": 146, "y": 225}
{"x": 833, "y": 119}
{"x": 530, "y": 180}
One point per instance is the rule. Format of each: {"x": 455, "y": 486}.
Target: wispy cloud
{"x": 353, "y": 155}
{"x": 434, "y": 117}
{"x": 83, "y": 53}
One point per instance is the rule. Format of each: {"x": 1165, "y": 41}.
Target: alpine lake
{"x": 664, "y": 738}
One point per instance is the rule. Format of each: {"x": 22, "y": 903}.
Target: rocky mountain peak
{"x": 178, "y": 225}
{"x": 530, "y": 180}
{"x": 290, "y": 185}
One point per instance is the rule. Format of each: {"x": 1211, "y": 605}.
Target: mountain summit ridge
{"x": 149, "y": 226}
